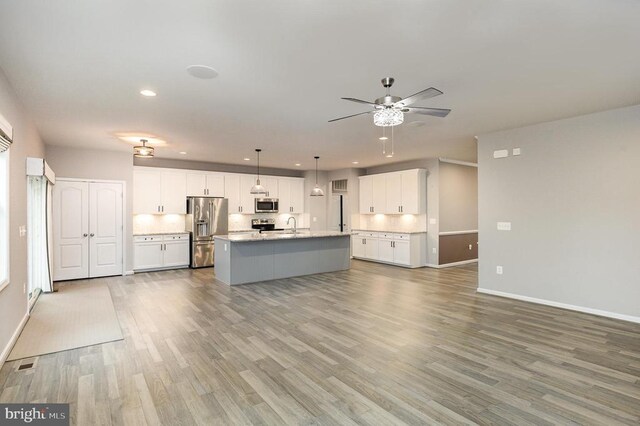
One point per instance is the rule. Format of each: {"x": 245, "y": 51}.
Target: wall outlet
{"x": 499, "y": 270}
{"x": 504, "y": 226}
{"x": 23, "y": 230}
{"x": 433, "y": 250}
{"x": 515, "y": 151}
{"x": 432, "y": 221}
{"x": 501, "y": 153}
{"x": 24, "y": 288}
{"x": 225, "y": 246}
{"x": 470, "y": 246}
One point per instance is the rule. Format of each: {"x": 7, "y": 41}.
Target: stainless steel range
{"x": 265, "y": 225}
{"x": 206, "y": 217}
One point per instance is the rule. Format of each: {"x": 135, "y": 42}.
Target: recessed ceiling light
{"x": 298, "y": 164}
{"x": 247, "y": 159}
{"x": 182, "y": 152}
{"x": 148, "y": 93}
{"x": 202, "y": 71}
{"x": 354, "y": 162}
{"x": 383, "y": 138}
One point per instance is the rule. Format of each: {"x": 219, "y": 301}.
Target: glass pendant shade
{"x": 388, "y": 117}
{"x": 143, "y": 151}
{"x": 258, "y": 188}
{"x": 317, "y": 191}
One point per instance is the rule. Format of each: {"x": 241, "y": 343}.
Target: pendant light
{"x": 317, "y": 191}
{"x": 257, "y": 188}
{"x": 143, "y": 151}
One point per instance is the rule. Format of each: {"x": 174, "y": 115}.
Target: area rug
{"x": 77, "y": 315}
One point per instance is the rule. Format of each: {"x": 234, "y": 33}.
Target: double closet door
{"x": 87, "y": 229}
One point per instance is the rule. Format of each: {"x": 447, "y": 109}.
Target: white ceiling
{"x": 78, "y": 67}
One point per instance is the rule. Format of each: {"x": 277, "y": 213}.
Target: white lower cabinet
{"x": 153, "y": 252}
{"x": 393, "y": 248}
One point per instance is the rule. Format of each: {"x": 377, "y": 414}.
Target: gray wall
{"x": 458, "y": 197}
{"x": 27, "y": 143}
{"x": 573, "y": 198}
{"x": 104, "y": 165}
{"x": 249, "y": 168}
{"x": 316, "y": 207}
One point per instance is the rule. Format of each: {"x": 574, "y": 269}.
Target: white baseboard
{"x": 449, "y": 265}
{"x": 592, "y": 311}
{"x": 7, "y": 350}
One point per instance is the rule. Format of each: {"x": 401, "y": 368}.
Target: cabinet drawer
{"x": 402, "y": 237}
{"x": 176, "y": 237}
{"x": 147, "y": 238}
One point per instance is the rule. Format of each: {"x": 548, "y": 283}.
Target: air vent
{"x": 339, "y": 185}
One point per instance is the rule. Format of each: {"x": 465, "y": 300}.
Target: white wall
{"x": 27, "y": 143}
{"x": 573, "y": 198}
{"x": 104, "y": 165}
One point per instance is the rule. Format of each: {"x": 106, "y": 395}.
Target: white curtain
{"x": 38, "y": 237}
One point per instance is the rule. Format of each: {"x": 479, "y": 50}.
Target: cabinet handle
{"x": 158, "y": 208}
{"x": 401, "y": 209}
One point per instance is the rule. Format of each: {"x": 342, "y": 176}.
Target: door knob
{"x": 85, "y": 235}
{"x": 92, "y": 235}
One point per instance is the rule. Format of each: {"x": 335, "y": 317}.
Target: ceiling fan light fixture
{"x": 388, "y": 117}
{"x": 143, "y": 151}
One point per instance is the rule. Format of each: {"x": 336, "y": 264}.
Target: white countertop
{"x": 389, "y": 232}
{"x": 139, "y": 234}
{"x": 272, "y": 236}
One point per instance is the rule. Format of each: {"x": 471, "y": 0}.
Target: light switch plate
{"x": 499, "y": 270}
{"x": 23, "y": 230}
{"x": 432, "y": 221}
{"x": 504, "y": 226}
{"x": 501, "y": 153}
{"x": 516, "y": 151}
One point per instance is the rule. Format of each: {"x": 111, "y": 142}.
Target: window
{"x": 4, "y": 219}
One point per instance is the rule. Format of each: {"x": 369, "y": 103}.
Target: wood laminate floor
{"x": 374, "y": 345}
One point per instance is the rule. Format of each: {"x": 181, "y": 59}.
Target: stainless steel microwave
{"x": 266, "y": 205}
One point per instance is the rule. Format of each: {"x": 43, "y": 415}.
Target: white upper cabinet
{"x": 205, "y": 184}
{"x": 157, "y": 191}
{"x": 271, "y": 185}
{"x": 403, "y": 192}
{"x": 291, "y": 195}
{"x": 232, "y": 193}
{"x": 174, "y": 192}
{"x": 147, "y": 193}
{"x": 247, "y": 199}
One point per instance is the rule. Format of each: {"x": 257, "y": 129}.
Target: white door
{"x": 297, "y": 196}
{"x": 379, "y": 192}
{"x": 410, "y": 192}
{"x": 70, "y": 230}
{"x": 402, "y": 252}
{"x": 366, "y": 195}
{"x": 105, "y": 229}
{"x": 174, "y": 192}
{"x": 385, "y": 251}
{"x": 232, "y": 192}
{"x": 176, "y": 253}
{"x": 357, "y": 246}
{"x": 147, "y": 193}
{"x": 393, "y": 193}
{"x": 197, "y": 185}
{"x": 215, "y": 185}
{"x": 148, "y": 255}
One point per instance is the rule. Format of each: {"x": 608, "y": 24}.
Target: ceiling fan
{"x": 389, "y": 110}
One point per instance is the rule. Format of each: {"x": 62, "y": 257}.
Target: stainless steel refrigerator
{"x": 206, "y": 217}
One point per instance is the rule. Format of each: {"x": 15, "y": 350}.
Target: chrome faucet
{"x": 295, "y": 224}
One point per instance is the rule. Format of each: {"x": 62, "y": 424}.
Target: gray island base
{"x": 243, "y": 259}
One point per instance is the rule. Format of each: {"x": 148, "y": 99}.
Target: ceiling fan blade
{"x": 349, "y": 116}
{"x": 423, "y": 94}
{"x": 360, "y": 101}
{"x": 436, "y": 112}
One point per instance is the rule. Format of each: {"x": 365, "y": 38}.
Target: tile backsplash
{"x": 393, "y": 222}
{"x": 152, "y": 223}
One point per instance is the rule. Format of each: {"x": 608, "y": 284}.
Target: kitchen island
{"x": 248, "y": 258}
